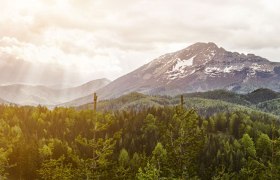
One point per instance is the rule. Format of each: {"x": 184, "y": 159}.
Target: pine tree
{"x": 150, "y": 132}
{"x": 159, "y": 158}
{"x": 264, "y": 147}
{"x": 123, "y": 168}
{"x": 186, "y": 144}
{"x": 150, "y": 172}
{"x": 248, "y": 146}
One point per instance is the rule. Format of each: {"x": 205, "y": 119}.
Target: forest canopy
{"x": 147, "y": 143}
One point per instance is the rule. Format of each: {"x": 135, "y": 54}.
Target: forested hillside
{"x": 145, "y": 143}
{"x": 206, "y": 103}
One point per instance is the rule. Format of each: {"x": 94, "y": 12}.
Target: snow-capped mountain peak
{"x": 199, "y": 67}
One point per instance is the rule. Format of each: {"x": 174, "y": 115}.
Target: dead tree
{"x": 182, "y": 101}
{"x": 94, "y": 102}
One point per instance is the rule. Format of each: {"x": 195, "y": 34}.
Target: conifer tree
{"x": 159, "y": 158}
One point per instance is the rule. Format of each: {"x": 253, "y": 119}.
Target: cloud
{"x": 51, "y": 65}
{"x": 104, "y": 38}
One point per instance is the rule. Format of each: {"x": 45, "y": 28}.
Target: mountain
{"x": 35, "y": 95}
{"x": 2, "y": 101}
{"x": 198, "y": 68}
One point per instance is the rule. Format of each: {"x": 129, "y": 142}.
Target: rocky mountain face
{"x": 35, "y": 95}
{"x": 199, "y": 67}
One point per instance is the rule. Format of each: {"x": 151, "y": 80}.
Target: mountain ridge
{"x": 198, "y": 68}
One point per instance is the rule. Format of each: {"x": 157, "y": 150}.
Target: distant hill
{"x": 261, "y": 95}
{"x": 2, "y": 101}
{"x": 223, "y": 95}
{"x": 271, "y": 106}
{"x": 34, "y": 95}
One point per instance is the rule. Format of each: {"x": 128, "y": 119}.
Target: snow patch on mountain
{"x": 256, "y": 66}
{"x": 180, "y": 69}
{"x": 229, "y": 69}
{"x": 181, "y": 64}
{"x": 213, "y": 71}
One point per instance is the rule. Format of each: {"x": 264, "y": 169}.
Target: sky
{"x": 69, "y": 42}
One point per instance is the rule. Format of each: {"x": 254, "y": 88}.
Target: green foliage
{"x": 3, "y": 163}
{"x": 9, "y": 136}
{"x": 186, "y": 143}
{"x": 206, "y": 103}
{"x": 248, "y": 146}
{"x": 264, "y": 147}
{"x": 223, "y": 95}
{"x": 123, "y": 169}
{"x": 150, "y": 131}
{"x": 123, "y": 158}
{"x": 150, "y": 172}
{"x": 272, "y": 106}
{"x": 140, "y": 143}
{"x": 261, "y": 95}
{"x": 56, "y": 169}
{"x": 159, "y": 158}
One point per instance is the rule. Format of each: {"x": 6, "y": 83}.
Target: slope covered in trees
{"x": 206, "y": 103}
{"x": 144, "y": 143}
